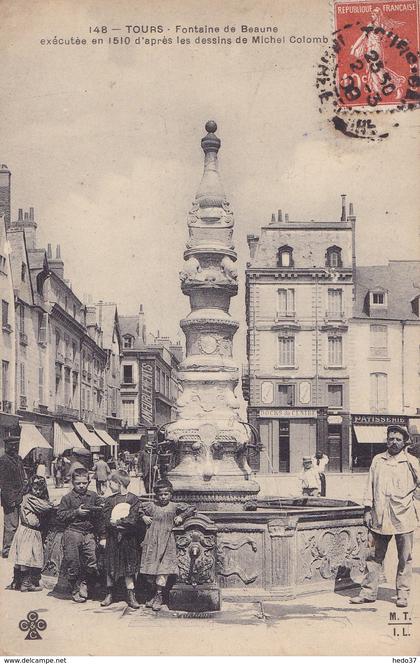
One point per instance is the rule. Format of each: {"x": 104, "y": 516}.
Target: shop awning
{"x": 130, "y": 436}
{"x": 370, "y": 435}
{"x": 64, "y": 438}
{"x": 30, "y": 438}
{"x": 104, "y": 435}
{"x": 89, "y": 437}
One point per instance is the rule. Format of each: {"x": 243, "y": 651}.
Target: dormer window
{"x": 333, "y": 257}
{"x": 378, "y": 298}
{"x": 285, "y": 256}
{"x": 128, "y": 341}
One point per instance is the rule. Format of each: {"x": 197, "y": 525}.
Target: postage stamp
{"x": 377, "y": 49}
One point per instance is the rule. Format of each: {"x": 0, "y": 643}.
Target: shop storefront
{"x": 369, "y": 436}
{"x": 288, "y": 434}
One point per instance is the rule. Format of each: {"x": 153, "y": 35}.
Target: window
{"x": 287, "y": 351}
{"x": 378, "y": 341}
{"x": 22, "y": 380}
{"x": 378, "y": 392}
{"x": 335, "y": 396}
{"x": 127, "y": 373}
{"x": 286, "y": 395}
{"x": 335, "y": 351}
{"x": 4, "y": 312}
{"x": 23, "y": 272}
{"x": 378, "y": 299}
{"x": 66, "y": 385}
{"x": 335, "y": 302}
{"x": 41, "y": 385}
{"x": 74, "y": 349}
{"x": 21, "y": 319}
{"x": 42, "y": 328}
{"x": 167, "y": 385}
{"x": 286, "y": 302}
{"x": 3, "y": 264}
{"x": 285, "y": 256}
{"x": 128, "y": 414}
{"x": 74, "y": 311}
{"x": 128, "y": 341}
{"x": 157, "y": 379}
{"x": 5, "y": 380}
{"x": 333, "y": 257}
{"x": 57, "y": 339}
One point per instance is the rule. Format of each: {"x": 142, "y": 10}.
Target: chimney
{"x": 343, "y": 207}
{"x": 56, "y": 264}
{"x": 5, "y": 194}
{"x": 352, "y": 219}
{"x": 142, "y": 325}
{"x": 351, "y": 214}
{"x": 279, "y": 216}
{"x": 286, "y": 218}
{"x": 20, "y": 214}
{"x": 273, "y": 219}
{"x": 252, "y": 244}
{"x": 29, "y": 227}
{"x": 49, "y": 251}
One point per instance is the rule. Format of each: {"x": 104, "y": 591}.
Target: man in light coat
{"x": 393, "y": 479}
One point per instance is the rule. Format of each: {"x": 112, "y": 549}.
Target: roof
{"x": 129, "y": 325}
{"x": 109, "y": 320}
{"x": 400, "y": 279}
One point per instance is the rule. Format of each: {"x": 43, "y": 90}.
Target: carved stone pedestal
{"x": 196, "y": 589}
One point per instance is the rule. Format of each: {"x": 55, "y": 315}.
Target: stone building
{"x": 8, "y": 419}
{"x": 149, "y": 387}
{"x": 299, "y": 284}
{"x": 385, "y": 366}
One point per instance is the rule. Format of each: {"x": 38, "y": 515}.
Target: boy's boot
{"x": 83, "y": 589}
{"x": 131, "y": 599}
{"x": 15, "y": 584}
{"x": 27, "y": 585}
{"x": 108, "y": 599}
{"x": 158, "y": 601}
{"x": 75, "y": 595}
{"x": 150, "y": 601}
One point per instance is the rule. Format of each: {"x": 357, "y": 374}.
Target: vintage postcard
{"x": 209, "y": 344}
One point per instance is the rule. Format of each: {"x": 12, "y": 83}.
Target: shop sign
{"x": 386, "y": 420}
{"x": 334, "y": 419}
{"x": 288, "y": 413}
{"x": 147, "y": 393}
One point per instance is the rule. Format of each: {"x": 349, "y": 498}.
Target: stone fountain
{"x": 237, "y": 546}
{"x": 211, "y": 441}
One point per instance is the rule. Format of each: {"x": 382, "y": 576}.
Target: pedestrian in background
{"x": 101, "y": 472}
{"x": 394, "y": 477}
{"x": 12, "y": 485}
{"x": 311, "y": 484}
{"x": 319, "y": 462}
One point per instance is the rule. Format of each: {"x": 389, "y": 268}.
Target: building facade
{"x": 385, "y": 366}
{"x": 8, "y": 419}
{"x": 149, "y": 387}
{"x": 299, "y": 286}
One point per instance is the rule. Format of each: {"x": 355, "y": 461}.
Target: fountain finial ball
{"x": 211, "y": 126}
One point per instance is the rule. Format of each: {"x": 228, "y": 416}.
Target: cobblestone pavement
{"x": 321, "y": 624}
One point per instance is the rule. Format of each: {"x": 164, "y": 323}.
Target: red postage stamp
{"x": 377, "y": 51}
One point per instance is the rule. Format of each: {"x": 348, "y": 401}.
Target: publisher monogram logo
{"x": 32, "y": 624}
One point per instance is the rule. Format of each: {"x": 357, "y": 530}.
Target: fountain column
{"x": 211, "y": 441}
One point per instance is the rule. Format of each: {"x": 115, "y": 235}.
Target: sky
{"x": 104, "y": 142}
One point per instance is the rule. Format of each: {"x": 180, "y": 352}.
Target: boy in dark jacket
{"x": 80, "y": 511}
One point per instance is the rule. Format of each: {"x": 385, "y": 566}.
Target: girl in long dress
{"x": 27, "y": 550}
{"x": 122, "y": 548}
{"x": 159, "y": 559}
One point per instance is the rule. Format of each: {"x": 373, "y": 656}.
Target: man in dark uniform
{"x": 12, "y": 484}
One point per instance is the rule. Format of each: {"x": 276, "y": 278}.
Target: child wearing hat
{"x": 311, "y": 483}
{"x": 159, "y": 559}
{"x": 122, "y": 547}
